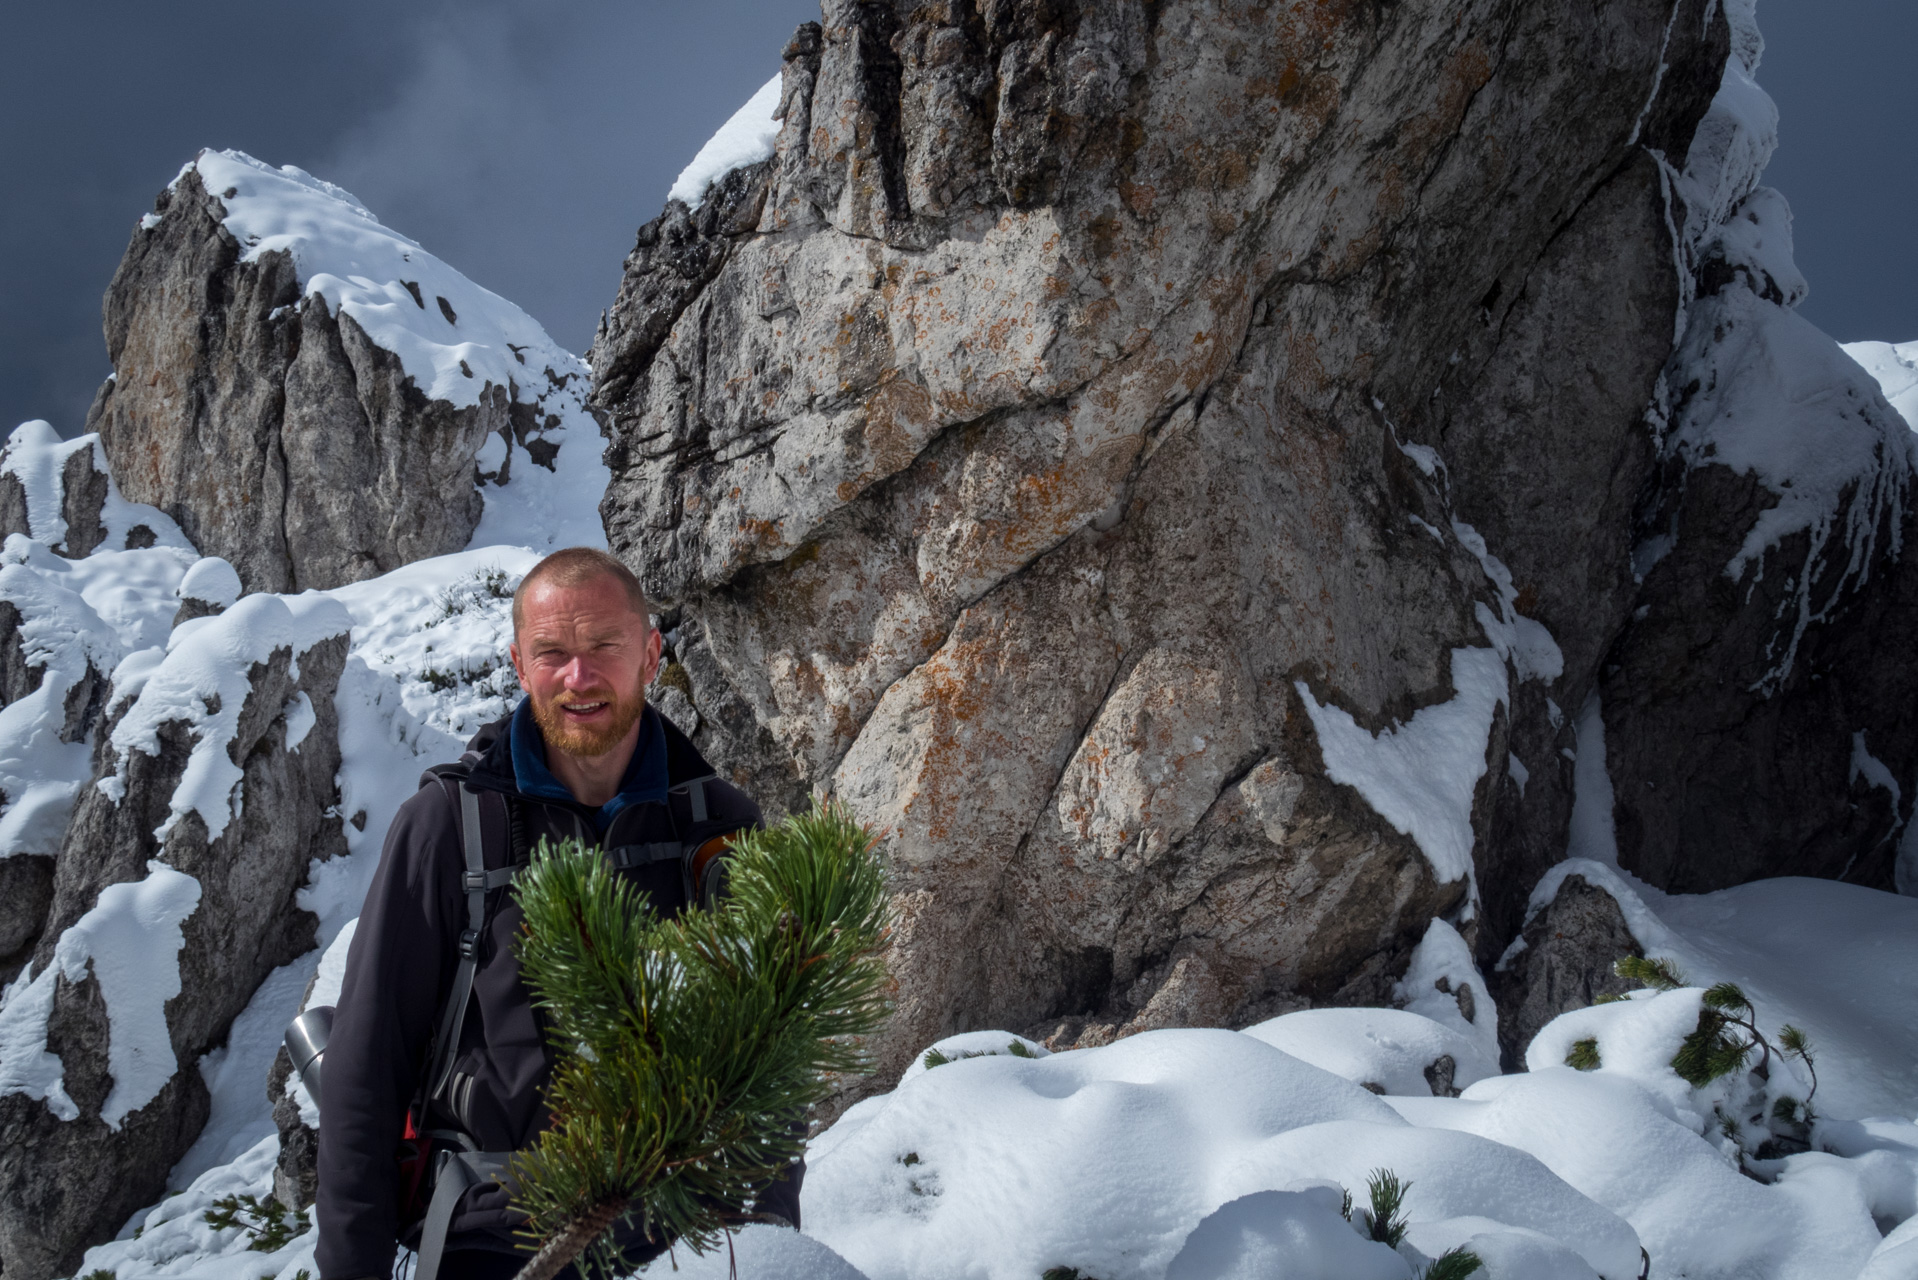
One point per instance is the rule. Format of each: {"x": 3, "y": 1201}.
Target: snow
{"x": 74, "y": 615}
{"x": 1592, "y": 834}
{"x": 235, "y": 1075}
{"x": 1420, "y": 775}
{"x": 361, "y": 268}
{"x": 1838, "y": 960}
{"x": 212, "y": 580}
{"x": 130, "y": 942}
{"x": 1290, "y": 1233}
{"x": 1895, "y": 369}
{"x": 1109, "y": 1159}
{"x": 746, "y": 138}
{"x": 1390, "y": 1048}
{"x": 1441, "y": 979}
{"x": 774, "y": 1253}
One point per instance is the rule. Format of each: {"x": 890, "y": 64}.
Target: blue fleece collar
{"x": 645, "y": 778}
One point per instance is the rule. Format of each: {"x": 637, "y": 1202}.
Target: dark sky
{"x": 524, "y": 143}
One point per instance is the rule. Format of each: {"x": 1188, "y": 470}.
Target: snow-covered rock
{"x": 205, "y": 780}
{"x": 343, "y": 412}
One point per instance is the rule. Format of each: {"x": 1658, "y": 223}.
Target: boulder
{"x": 1565, "y": 963}
{"x": 1140, "y": 456}
{"x": 173, "y": 894}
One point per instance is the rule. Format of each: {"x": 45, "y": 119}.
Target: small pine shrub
{"x": 1453, "y": 1264}
{"x": 1583, "y": 1055}
{"x": 1385, "y": 1220}
{"x": 271, "y": 1224}
{"x": 934, "y": 1058}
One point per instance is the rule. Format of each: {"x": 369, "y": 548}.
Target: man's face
{"x": 584, "y": 656}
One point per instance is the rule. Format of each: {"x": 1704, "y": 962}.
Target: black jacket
{"x": 400, "y": 966}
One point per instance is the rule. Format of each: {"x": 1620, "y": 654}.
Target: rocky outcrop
{"x": 272, "y": 429}
{"x": 173, "y": 895}
{"x": 1114, "y": 447}
{"x": 297, "y": 411}
{"x": 1757, "y": 708}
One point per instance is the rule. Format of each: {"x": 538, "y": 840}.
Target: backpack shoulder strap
{"x": 476, "y": 881}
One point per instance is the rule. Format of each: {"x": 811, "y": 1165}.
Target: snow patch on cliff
{"x": 746, "y": 138}
{"x": 1420, "y": 775}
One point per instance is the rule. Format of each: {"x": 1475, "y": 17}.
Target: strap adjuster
{"x": 469, "y": 944}
{"x": 471, "y": 880}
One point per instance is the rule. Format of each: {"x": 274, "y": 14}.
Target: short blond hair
{"x": 575, "y": 567}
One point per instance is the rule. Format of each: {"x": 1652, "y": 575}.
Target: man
{"x": 584, "y": 757}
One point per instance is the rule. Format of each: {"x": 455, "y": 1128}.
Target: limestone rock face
{"x": 172, "y": 896}
{"x": 268, "y": 424}
{"x": 1113, "y": 447}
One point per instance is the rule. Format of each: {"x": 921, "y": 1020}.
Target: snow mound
{"x": 758, "y": 1252}
{"x": 1837, "y": 960}
{"x": 1283, "y": 1233}
{"x": 1107, "y": 1160}
{"x": 746, "y": 138}
{"x": 1397, "y": 1051}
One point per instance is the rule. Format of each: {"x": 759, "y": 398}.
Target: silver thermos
{"x": 306, "y": 1038}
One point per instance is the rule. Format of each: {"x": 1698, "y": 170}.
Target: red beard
{"x": 587, "y": 740}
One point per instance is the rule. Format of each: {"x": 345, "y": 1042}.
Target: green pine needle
{"x": 1385, "y": 1221}
{"x": 1726, "y": 997}
{"x": 1583, "y": 1054}
{"x": 1661, "y": 975}
{"x": 1794, "y": 1041}
{"x": 1453, "y": 1264}
{"x": 686, "y": 1050}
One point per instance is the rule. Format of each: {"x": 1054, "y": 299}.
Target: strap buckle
{"x": 472, "y": 880}
{"x": 469, "y": 944}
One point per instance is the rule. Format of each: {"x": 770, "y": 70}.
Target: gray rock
{"x": 1040, "y": 440}
{"x": 276, "y": 433}
{"x": 1566, "y": 963}
{"x": 53, "y": 1201}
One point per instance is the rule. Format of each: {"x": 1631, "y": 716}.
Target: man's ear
{"x": 512, "y": 651}
{"x": 655, "y": 646}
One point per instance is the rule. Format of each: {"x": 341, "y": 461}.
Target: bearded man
{"x": 437, "y": 1064}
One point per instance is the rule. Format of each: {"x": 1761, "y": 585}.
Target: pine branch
{"x": 685, "y": 1051}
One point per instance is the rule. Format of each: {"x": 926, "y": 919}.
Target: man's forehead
{"x": 598, "y": 603}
